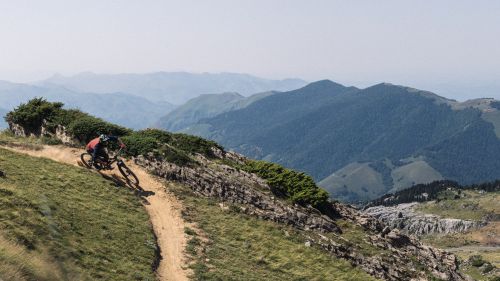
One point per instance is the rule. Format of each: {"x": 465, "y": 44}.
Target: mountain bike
{"x": 101, "y": 164}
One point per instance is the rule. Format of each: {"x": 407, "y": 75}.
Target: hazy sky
{"x": 435, "y": 45}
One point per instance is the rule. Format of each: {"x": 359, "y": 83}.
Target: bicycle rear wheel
{"x": 86, "y": 159}
{"x": 128, "y": 174}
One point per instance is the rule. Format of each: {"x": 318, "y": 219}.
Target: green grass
{"x": 476, "y": 274}
{"x": 233, "y": 246}
{"x": 451, "y": 240}
{"x": 79, "y": 225}
{"x": 473, "y": 206}
{"x": 17, "y": 263}
{"x": 357, "y": 238}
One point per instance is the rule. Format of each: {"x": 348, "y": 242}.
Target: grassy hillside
{"x": 483, "y": 243}
{"x": 225, "y": 245}
{"x": 471, "y": 205}
{"x": 205, "y": 106}
{"x": 198, "y": 108}
{"x": 61, "y": 222}
{"x": 229, "y": 245}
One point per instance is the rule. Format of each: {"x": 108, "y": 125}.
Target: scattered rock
{"x": 404, "y": 217}
{"x": 253, "y": 196}
{"x": 233, "y": 186}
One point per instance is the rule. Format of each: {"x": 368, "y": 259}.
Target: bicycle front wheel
{"x": 128, "y": 174}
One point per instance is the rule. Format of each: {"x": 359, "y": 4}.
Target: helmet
{"x": 103, "y": 138}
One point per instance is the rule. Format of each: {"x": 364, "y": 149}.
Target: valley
{"x": 241, "y": 209}
{"x": 462, "y": 220}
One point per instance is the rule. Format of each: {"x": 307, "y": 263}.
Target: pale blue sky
{"x": 434, "y": 45}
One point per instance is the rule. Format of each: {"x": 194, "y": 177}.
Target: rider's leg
{"x": 93, "y": 161}
{"x": 103, "y": 156}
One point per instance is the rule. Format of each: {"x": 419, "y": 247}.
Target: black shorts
{"x": 101, "y": 153}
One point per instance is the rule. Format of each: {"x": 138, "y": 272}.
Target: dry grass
{"x": 228, "y": 245}
{"x": 66, "y": 216}
{"x": 18, "y": 264}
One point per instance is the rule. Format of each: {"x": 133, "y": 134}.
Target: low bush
{"x": 89, "y": 127}
{"x": 50, "y": 140}
{"x": 32, "y": 114}
{"x": 175, "y": 148}
{"x": 299, "y": 187}
{"x": 176, "y": 156}
{"x": 139, "y": 145}
{"x": 155, "y": 141}
{"x": 193, "y": 144}
{"x": 186, "y": 143}
{"x": 38, "y": 111}
{"x": 159, "y": 135}
{"x": 476, "y": 260}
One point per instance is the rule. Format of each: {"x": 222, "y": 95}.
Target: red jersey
{"x": 91, "y": 145}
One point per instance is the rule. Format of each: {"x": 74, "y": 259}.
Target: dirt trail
{"x": 163, "y": 209}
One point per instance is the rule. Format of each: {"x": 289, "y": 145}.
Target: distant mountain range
{"x": 3, "y": 112}
{"x": 138, "y": 100}
{"x": 172, "y": 87}
{"x": 205, "y": 106}
{"x": 124, "y": 109}
{"x": 362, "y": 143}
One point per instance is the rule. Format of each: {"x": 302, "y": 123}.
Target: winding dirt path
{"x": 162, "y": 207}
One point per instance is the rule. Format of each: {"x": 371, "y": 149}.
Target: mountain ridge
{"x": 329, "y": 126}
{"x": 124, "y": 109}
{"x": 174, "y": 87}
{"x": 205, "y": 106}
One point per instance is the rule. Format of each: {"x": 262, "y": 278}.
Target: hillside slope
{"x": 244, "y": 215}
{"x": 392, "y": 136}
{"x": 205, "y": 106}
{"x": 124, "y": 109}
{"x": 65, "y": 223}
{"x": 464, "y": 220}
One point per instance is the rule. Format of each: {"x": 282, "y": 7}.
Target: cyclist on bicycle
{"x": 97, "y": 148}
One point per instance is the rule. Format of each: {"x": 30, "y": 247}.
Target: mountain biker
{"x": 97, "y": 148}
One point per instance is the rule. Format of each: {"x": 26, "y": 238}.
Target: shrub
{"x": 50, "y": 140}
{"x": 159, "y": 135}
{"x": 176, "y": 156}
{"x": 296, "y": 186}
{"x": 32, "y": 114}
{"x": 146, "y": 141}
{"x": 175, "y": 147}
{"x": 139, "y": 145}
{"x": 476, "y": 260}
{"x": 193, "y": 144}
{"x": 87, "y": 128}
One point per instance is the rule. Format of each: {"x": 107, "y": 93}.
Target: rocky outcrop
{"x": 58, "y": 132}
{"x": 20, "y": 131}
{"x": 400, "y": 257}
{"x": 235, "y": 186}
{"x": 406, "y": 258}
{"x": 405, "y": 218}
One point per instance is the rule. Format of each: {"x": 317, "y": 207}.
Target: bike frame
{"x": 115, "y": 158}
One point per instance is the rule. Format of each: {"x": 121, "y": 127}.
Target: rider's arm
{"x": 118, "y": 140}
